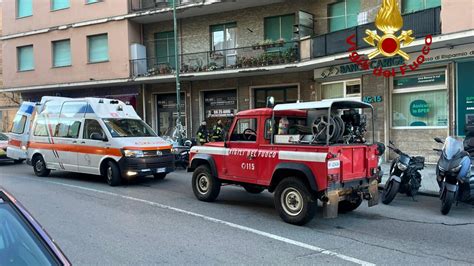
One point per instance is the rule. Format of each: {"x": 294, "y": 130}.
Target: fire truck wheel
{"x": 346, "y": 206}
{"x": 39, "y": 166}
{"x": 253, "y": 189}
{"x": 112, "y": 174}
{"x": 294, "y": 202}
{"x": 159, "y": 176}
{"x": 205, "y": 186}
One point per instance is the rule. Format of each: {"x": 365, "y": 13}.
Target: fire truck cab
{"x": 303, "y": 152}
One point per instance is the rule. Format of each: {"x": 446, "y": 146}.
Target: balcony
{"x": 422, "y": 23}
{"x": 257, "y": 56}
{"x": 139, "y": 5}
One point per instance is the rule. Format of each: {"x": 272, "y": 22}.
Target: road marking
{"x": 218, "y": 221}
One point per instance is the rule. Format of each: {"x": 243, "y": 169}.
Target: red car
{"x": 295, "y": 151}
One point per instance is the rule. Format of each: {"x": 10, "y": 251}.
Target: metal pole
{"x": 177, "y": 67}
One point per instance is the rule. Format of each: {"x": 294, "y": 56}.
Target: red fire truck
{"x": 303, "y": 152}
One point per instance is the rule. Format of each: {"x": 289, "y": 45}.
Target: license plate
{"x": 161, "y": 170}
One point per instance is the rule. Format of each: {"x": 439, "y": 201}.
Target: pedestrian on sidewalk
{"x": 202, "y": 133}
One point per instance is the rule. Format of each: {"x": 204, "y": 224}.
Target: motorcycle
{"x": 452, "y": 173}
{"x": 180, "y": 145}
{"x": 405, "y": 175}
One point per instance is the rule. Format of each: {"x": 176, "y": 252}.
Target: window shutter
{"x": 59, "y": 4}
{"x": 98, "y": 48}
{"x": 164, "y": 48}
{"x": 26, "y": 58}
{"x": 272, "y": 28}
{"x": 337, "y": 19}
{"x": 287, "y": 24}
{"x": 410, "y": 6}
{"x": 24, "y": 8}
{"x": 61, "y": 53}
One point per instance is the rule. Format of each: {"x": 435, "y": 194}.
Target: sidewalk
{"x": 428, "y": 184}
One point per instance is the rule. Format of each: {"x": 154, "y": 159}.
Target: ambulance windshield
{"x": 128, "y": 128}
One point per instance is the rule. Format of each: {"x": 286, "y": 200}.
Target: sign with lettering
{"x": 465, "y": 97}
{"x": 419, "y": 108}
{"x": 420, "y": 81}
{"x": 372, "y": 99}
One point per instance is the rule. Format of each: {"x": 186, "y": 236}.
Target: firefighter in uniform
{"x": 202, "y": 134}
{"x": 218, "y": 131}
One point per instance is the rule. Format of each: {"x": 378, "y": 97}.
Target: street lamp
{"x": 179, "y": 126}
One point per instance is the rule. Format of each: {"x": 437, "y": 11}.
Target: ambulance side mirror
{"x": 98, "y": 136}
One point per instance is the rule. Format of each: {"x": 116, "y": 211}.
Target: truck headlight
{"x": 133, "y": 153}
{"x": 401, "y": 166}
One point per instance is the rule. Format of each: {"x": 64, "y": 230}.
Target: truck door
{"x": 20, "y": 132}
{"x": 88, "y": 162}
{"x": 242, "y": 160}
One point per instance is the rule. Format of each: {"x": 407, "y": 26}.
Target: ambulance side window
{"x": 19, "y": 124}
{"x": 90, "y": 127}
{"x": 40, "y": 128}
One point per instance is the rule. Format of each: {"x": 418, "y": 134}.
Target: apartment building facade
{"x": 233, "y": 54}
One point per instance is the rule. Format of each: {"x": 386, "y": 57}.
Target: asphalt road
{"x": 150, "y": 222}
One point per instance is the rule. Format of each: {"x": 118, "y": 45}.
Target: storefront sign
{"x": 372, "y": 99}
{"x": 419, "y": 108}
{"x": 419, "y": 81}
{"x": 465, "y": 96}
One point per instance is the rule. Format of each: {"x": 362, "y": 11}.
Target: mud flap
{"x": 330, "y": 208}
{"x": 373, "y": 193}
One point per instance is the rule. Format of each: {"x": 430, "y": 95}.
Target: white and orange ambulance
{"x": 88, "y": 135}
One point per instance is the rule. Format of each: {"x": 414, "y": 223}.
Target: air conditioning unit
{"x": 139, "y": 60}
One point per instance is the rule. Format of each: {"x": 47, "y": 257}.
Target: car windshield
{"x": 3, "y": 137}
{"x": 120, "y": 128}
{"x": 19, "y": 244}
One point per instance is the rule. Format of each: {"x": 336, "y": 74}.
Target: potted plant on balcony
{"x": 280, "y": 42}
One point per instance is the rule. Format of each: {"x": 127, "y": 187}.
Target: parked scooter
{"x": 405, "y": 175}
{"x": 453, "y": 173}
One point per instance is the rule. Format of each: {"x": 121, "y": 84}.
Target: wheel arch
{"x": 200, "y": 159}
{"x": 103, "y": 164}
{"x": 297, "y": 170}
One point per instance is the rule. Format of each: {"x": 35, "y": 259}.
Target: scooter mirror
{"x": 438, "y": 140}
{"x": 391, "y": 143}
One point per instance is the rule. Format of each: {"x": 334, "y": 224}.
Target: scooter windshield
{"x": 452, "y": 147}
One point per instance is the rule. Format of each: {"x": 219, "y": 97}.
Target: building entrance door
{"x": 167, "y": 113}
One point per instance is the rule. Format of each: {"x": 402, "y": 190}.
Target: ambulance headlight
{"x": 133, "y": 153}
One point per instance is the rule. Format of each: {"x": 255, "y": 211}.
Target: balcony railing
{"x": 236, "y": 58}
{"x": 139, "y": 5}
{"x": 422, "y": 23}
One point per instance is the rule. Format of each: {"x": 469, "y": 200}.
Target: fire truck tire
{"x": 253, "y": 189}
{"x": 346, "y": 206}
{"x": 294, "y": 202}
{"x": 112, "y": 174}
{"x": 206, "y": 187}
{"x": 39, "y": 166}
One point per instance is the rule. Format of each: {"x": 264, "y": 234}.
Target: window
{"x": 343, "y": 14}
{"x": 280, "y": 27}
{"x": 24, "y": 8}
{"x": 131, "y": 128}
{"x": 245, "y": 130}
{"x": 41, "y": 128}
{"x": 91, "y": 127}
{"x": 164, "y": 48}
{"x": 68, "y": 128}
{"x": 409, "y": 6}
{"x": 98, "y": 48}
{"x": 224, "y": 37}
{"x": 62, "y": 53}
{"x": 74, "y": 109}
{"x": 26, "y": 60}
{"x": 93, "y": 1}
{"x": 420, "y": 101}
{"x": 59, "y": 4}
{"x": 19, "y": 124}
{"x": 340, "y": 89}
{"x": 281, "y": 95}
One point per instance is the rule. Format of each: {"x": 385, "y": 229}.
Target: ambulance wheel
{"x": 112, "y": 174}
{"x": 39, "y": 166}
{"x": 159, "y": 176}
{"x": 253, "y": 189}
{"x": 205, "y": 186}
{"x": 346, "y": 206}
{"x": 294, "y": 202}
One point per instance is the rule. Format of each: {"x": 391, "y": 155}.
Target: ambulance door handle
{"x": 83, "y": 142}
{"x": 74, "y": 141}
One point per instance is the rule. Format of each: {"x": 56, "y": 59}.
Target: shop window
{"x": 420, "y": 101}
{"x": 59, "y": 4}
{"x": 279, "y": 27}
{"x": 62, "y": 53}
{"x": 167, "y": 113}
{"x": 98, "y": 48}
{"x": 164, "y": 48}
{"x": 281, "y": 95}
{"x": 223, "y": 42}
{"x": 24, "y": 8}
{"x": 341, "y": 89}
{"x": 409, "y": 6}
{"x": 26, "y": 60}
{"x": 220, "y": 105}
{"x": 245, "y": 130}
{"x": 343, "y": 14}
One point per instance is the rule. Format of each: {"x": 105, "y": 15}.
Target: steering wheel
{"x": 247, "y": 136}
